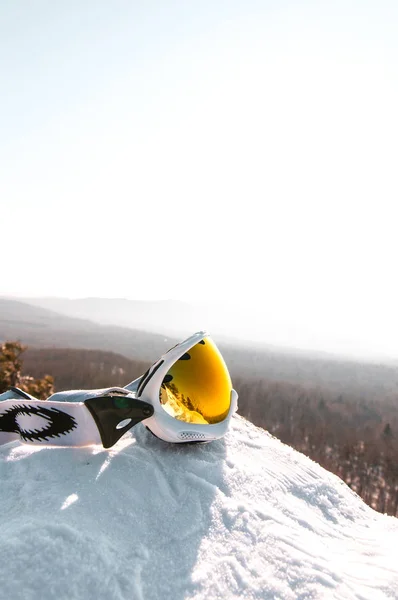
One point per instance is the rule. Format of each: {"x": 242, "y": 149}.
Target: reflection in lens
{"x": 197, "y": 388}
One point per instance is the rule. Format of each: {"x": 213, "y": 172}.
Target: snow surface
{"x": 245, "y": 517}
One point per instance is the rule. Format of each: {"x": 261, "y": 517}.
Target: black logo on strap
{"x": 58, "y": 422}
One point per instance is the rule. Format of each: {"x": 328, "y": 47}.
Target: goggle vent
{"x": 191, "y": 436}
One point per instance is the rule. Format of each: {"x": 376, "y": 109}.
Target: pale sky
{"x": 236, "y": 152}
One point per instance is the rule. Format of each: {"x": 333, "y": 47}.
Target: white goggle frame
{"x": 163, "y": 425}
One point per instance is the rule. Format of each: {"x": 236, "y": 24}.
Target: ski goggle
{"x": 185, "y": 396}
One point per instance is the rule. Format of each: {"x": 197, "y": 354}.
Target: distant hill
{"x": 248, "y": 326}
{"x": 43, "y": 328}
{"x": 40, "y": 327}
{"x": 170, "y": 317}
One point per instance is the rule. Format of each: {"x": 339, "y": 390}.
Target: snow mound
{"x": 244, "y": 517}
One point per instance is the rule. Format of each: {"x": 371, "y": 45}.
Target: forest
{"x": 353, "y": 437}
{"x": 350, "y": 432}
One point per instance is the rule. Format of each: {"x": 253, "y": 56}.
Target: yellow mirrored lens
{"x": 197, "y": 388}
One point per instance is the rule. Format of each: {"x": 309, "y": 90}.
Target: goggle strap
{"x": 110, "y": 412}
{"x": 59, "y": 423}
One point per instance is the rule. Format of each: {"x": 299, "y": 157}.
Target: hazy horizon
{"x": 229, "y": 322}
{"x": 239, "y": 154}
